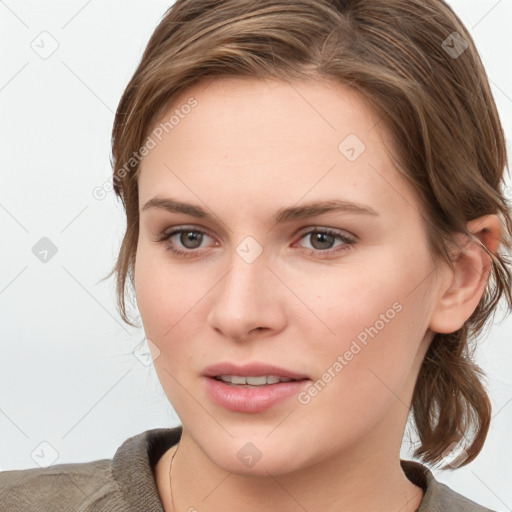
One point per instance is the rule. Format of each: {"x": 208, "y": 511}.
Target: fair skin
{"x": 248, "y": 149}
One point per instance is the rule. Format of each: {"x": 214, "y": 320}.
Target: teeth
{"x": 262, "y": 380}
{"x": 255, "y": 381}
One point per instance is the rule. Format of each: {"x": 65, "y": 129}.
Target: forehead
{"x": 266, "y": 138}
{"x": 301, "y": 114}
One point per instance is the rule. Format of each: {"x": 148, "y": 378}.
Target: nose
{"x": 247, "y": 300}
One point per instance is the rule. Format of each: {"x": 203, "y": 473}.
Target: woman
{"x": 316, "y": 231}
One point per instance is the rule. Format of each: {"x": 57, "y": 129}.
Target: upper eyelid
{"x": 178, "y": 229}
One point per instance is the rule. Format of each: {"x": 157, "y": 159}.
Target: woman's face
{"x": 339, "y": 297}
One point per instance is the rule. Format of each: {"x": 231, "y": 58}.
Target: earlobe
{"x": 462, "y": 287}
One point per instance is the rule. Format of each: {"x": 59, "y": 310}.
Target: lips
{"x": 223, "y": 383}
{"x": 256, "y": 369}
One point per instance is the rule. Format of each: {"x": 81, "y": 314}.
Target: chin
{"x": 256, "y": 454}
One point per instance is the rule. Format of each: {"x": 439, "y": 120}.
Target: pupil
{"x": 193, "y": 236}
{"x": 320, "y": 237}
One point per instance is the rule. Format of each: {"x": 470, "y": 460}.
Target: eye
{"x": 190, "y": 239}
{"x": 322, "y": 240}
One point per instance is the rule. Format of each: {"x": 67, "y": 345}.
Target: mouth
{"x": 253, "y": 381}
{"x": 253, "y": 374}
{"x": 252, "y": 388}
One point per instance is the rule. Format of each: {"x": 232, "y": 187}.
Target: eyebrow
{"x": 286, "y": 214}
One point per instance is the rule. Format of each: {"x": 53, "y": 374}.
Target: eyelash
{"x": 347, "y": 241}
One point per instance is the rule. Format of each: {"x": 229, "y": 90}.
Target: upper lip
{"x": 254, "y": 369}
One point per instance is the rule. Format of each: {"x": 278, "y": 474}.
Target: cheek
{"x": 167, "y": 304}
{"x": 375, "y": 317}
{"x": 352, "y": 299}
{"x": 165, "y": 293}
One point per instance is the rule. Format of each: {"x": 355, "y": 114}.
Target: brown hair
{"x": 433, "y": 96}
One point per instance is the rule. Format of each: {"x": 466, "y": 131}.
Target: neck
{"x": 357, "y": 480}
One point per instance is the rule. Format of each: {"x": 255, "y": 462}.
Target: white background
{"x": 67, "y": 373}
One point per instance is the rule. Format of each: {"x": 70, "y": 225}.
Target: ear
{"x": 462, "y": 288}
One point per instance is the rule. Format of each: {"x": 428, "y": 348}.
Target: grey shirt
{"x": 126, "y": 483}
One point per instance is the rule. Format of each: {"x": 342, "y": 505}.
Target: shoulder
{"x": 451, "y": 500}
{"x": 438, "y": 496}
{"x": 124, "y": 483}
{"x": 66, "y": 487}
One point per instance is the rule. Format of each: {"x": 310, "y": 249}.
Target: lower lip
{"x": 251, "y": 400}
